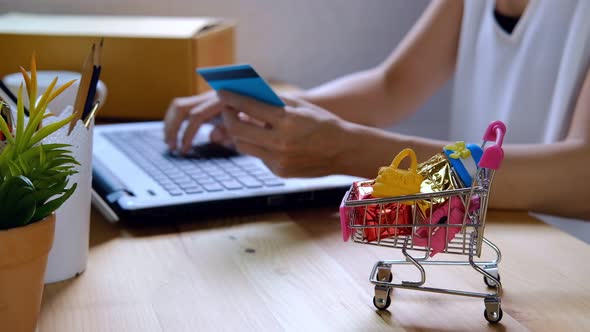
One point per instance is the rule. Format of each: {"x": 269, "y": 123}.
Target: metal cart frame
{"x": 466, "y": 242}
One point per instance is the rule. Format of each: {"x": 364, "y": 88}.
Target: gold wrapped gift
{"x": 437, "y": 177}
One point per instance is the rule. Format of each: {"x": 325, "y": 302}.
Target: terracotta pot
{"x": 23, "y": 258}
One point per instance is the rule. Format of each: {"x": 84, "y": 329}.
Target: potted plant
{"x": 33, "y": 184}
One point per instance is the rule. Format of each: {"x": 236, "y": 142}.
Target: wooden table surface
{"x": 278, "y": 271}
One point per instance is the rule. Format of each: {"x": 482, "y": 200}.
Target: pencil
{"x": 83, "y": 89}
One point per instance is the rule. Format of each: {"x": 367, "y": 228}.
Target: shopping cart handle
{"x": 493, "y": 155}
{"x": 495, "y": 133}
{"x": 344, "y": 219}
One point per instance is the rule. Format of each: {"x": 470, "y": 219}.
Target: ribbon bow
{"x": 459, "y": 150}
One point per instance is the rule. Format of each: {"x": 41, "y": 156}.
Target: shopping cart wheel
{"x": 382, "y": 304}
{"x": 493, "y": 317}
{"x": 386, "y": 277}
{"x": 382, "y": 298}
{"x": 384, "y": 274}
{"x": 490, "y": 282}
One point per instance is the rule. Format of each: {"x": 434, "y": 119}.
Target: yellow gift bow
{"x": 459, "y": 149}
{"x": 392, "y": 181}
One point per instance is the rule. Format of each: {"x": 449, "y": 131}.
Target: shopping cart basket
{"x": 401, "y": 224}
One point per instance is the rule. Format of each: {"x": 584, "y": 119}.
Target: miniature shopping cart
{"x": 460, "y": 231}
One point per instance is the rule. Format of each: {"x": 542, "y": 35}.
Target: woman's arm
{"x": 420, "y": 65}
{"x": 552, "y": 178}
{"x": 302, "y": 139}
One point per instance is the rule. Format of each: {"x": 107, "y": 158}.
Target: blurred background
{"x": 303, "y": 42}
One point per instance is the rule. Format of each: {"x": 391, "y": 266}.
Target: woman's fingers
{"x": 199, "y": 115}
{"x": 248, "y": 131}
{"x": 253, "y": 150}
{"x": 177, "y": 113}
{"x": 253, "y": 108}
{"x": 219, "y": 135}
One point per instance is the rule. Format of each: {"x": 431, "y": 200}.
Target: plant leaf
{"x": 60, "y": 90}
{"x": 49, "y": 129}
{"x": 47, "y": 208}
{"x": 42, "y": 104}
{"x": 26, "y": 78}
{"x": 20, "y": 115}
{"x": 33, "y": 93}
{"x": 16, "y": 202}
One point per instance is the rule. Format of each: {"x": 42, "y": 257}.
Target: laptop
{"x": 136, "y": 178}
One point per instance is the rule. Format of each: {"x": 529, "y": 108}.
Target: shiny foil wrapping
{"x": 438, "y": 176}
{"x": 380, "y": 214}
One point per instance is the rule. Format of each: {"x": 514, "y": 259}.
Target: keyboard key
{"x": 223, "y": 162}
{"x": 180, "y": 178}
{"x": 273, "y": 182}
{"x": 170, "y": 186}
{"x": 204, "y": 181}
{"x": 223, "y": 177}
{"x": 252, "y": 166}
{"x": 231, "y": 184}
{"x": 216, "y": 172}
{"x": 239, "y": 174}
{"x": 196, "y": 173}
{"x": 200, "y": 176}
{"x": 175, "y": 192}
{"x": 188, "y": 184}
{"x": 250, "y": 182}
{"x": 231, "y": 168}
{"x": 166, "y": 182}
{"x": 175, "y": 174}
{"x": 190, "y": 169}
{"x": 193, "y": 190}
{"x": 159, "y": 177}
{"x": 265, "y": 176}
{"x": 212, "y": 187}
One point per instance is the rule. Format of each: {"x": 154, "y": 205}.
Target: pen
{"x": 90, "y": 106}
{"x": 91, "y": 114}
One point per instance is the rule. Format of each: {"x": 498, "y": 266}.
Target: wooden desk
{"x": 293, "y": 272}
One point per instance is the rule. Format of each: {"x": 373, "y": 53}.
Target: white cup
{"x": 44, "y": 78}
{"x": 69, "y": 255}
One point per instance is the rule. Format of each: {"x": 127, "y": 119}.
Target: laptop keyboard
{"x": 208, "y": 170}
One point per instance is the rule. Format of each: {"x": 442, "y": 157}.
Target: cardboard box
{"x": 146, "y": 62}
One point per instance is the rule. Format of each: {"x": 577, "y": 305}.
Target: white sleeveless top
{"x": 529, "y": 78}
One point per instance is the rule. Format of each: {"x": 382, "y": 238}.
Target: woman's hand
{"x": 196, "y": 110}
{"x": 298, "y": 140}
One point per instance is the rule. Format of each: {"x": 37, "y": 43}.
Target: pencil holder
{"x": 69, "y": 254}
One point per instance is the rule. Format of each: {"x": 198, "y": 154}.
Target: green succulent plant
{"x": 33, "y": 176}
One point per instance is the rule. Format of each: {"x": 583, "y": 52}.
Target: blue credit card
{"x": 240, "y": 79}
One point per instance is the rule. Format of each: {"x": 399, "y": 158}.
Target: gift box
{"x": 464, "y": 159}
{"x": 377, "y": 215}
{"x": 452, "y": 212}
{"x": 438, "y": 176}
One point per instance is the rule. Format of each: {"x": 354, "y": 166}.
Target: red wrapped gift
{"x": 380, "y": 214}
